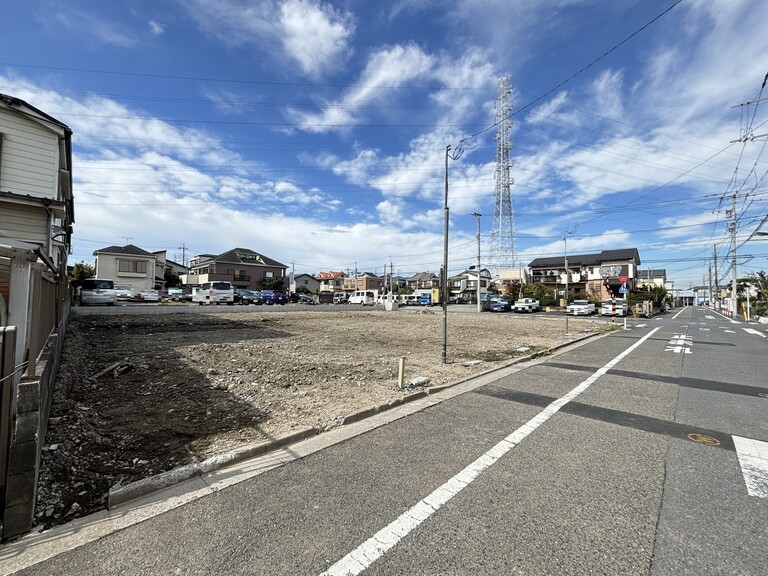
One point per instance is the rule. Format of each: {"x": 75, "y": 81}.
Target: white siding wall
{"x": 30, "y": 157}
{"x": 21, "y": 222}
{"x": 106, "y": 267}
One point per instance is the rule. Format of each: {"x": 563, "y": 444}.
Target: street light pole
{"x": 479, "y": 307}
{"x": 455, "y": 156}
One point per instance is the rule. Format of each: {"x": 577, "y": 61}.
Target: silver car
{"x": 98, "y": 291}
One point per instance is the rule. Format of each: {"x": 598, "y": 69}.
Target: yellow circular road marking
{"x": 704, "y": 439}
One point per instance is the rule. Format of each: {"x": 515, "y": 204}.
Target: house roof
{"x": 587, "y": 259}
{"x": 26, "y": 108}
{"x": 329, "y": 275}
{"x": 129, "y": 249}
{"x": 421, "y": 276}
{"x": 246, "y": 256}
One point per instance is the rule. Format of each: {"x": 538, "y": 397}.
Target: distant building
{"x": 330, "y": 281}
{"x": 589, "y": 275}
{"x": 242, "y": 267}
{"x": 651, "y": 277}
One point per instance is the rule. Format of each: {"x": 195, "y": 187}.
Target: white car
{"x": 150, "y": 296}
{"x": 580, "y": 308}
{"x": 124, "y": 291}
{"x": 622, "y": 308}
{"x": 525, "y": 305}
{"x": 97, "y": 291}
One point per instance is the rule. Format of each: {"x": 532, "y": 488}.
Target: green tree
{"x": 80, "y": 272}
{"x": 273, "y": 283}
{"x": 171, "y": 278}
{"x": 303, "y": 290}
{"x": 538, "y": 291}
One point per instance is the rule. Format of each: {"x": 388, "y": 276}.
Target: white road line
{"x": 388, "y": 537}
{"x": 753, "y": 459}
{"x": 678, "y": 314}
{"x": 755, "y": 332}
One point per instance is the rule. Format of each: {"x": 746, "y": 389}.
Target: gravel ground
{"x": 140, "y": 395}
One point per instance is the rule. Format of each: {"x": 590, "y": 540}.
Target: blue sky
{"x": 315, "y": 132}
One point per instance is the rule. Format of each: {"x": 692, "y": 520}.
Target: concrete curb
{"x": 119, "y": 495}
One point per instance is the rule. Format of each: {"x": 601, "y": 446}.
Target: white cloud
{"x": 315, "y": 35}
{"x": 311, "y": 34}
{"x": 86, "y": 25}
{"x": 156, "y": 28}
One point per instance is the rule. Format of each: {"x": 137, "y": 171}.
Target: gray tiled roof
{"x": 587, "y": 259}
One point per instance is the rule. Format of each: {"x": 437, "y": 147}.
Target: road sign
{"x": 623, "y": 279}
{"x": 623, "y": 289}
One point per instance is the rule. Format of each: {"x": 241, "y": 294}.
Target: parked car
{"x": 178, "y": 294}
{"x": 274, "y": 297}
{"x": 339, "y": 297}
{"x": 305, "y": 299}
{"x": 124, "y": 291}
{"x": 150, "y": 296}
{"x": 622, "y": 307}
{"x": 501, "y": 306}
{"x": 97, "y": 291}
{"x": 218, "y": 292}
{"x": 580, "y": 308}
{"x": 364, "y": 297}
{"x": 245, "y": 297}
{"x": 526, "y": 305}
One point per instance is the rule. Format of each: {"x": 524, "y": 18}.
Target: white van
{"x": 98, "y": 291}
{"x": 214, "y": 293}
{"x": 364, "y": 297}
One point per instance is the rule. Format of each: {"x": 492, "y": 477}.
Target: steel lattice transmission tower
{"x": 503, "y": 251}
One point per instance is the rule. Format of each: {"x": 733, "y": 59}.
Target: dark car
{"x": 244, "y": 296}
{"x": 304, "y": 299}
{"x": 274, "y": 297}
{"x": 501, "y": 306}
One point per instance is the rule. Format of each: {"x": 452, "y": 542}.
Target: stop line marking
{"x": 388, "y": 537}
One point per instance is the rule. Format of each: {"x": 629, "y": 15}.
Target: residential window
{"x": 132, "y": 266}
{"x": 268, "y": 274}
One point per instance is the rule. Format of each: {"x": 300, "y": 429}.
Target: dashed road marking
{"x": 753, "y": 459}
{"x": 753, "y": 331}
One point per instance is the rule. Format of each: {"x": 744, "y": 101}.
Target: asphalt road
{"x": 618, "y": 456}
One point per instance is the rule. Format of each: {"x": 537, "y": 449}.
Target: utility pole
{"x": 732, "y": 230}
{"x": 565, "y": 253}
{"x": 710, "y": 284}
{"x": 479, "y": 306}
{"x": 183, "y": 249}
{"x": 717, "y": 283}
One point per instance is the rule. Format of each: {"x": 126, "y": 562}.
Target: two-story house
{"x": 36, "y": 202}
{"x": 463, "y": 287}
{"x": 242, "y": 267}
{"x": 307, "y": 281}
{"x": 36, "y": 218}
{"x": 128, "y": 265}
{"x": 330, "y": 281}
{"x": 363, "y": 281}
{"x": 422, "y": 281}
{"x": 592, "y": 276}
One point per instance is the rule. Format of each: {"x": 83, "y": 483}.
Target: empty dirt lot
{"x": 141, "y": 394}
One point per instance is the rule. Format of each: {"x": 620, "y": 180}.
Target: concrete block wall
{"x": 33, "y": 406}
